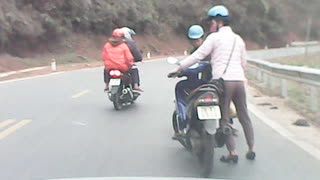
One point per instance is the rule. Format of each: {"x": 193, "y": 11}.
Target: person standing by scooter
{"x": 228, "y": 59}
{"x": 195, "y": 35}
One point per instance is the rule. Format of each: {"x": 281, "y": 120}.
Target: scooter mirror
{"x": 172, "y": 60}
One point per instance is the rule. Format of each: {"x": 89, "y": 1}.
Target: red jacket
{"x": 116, "y": 55}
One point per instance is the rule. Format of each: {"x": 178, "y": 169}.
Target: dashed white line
{"x": 6, "y": 123}
{"x": 79, "y": 123}
{"x": 13, "y": 128}
{"x": 80, "y": 94}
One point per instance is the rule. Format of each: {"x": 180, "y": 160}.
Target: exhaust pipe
{"x": 227, "y": 130}
{"x": 124, "y": 91}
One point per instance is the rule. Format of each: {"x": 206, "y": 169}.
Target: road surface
{"x": 63, "y": 126}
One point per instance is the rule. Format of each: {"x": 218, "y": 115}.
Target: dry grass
{"x": 312, "y": 60}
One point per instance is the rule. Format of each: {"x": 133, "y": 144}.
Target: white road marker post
{"x": 53, "y": 65}
{"x": 148, "y": 55}
{"x": 185, "y": 52}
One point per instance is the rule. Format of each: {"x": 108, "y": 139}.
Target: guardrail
{"x": 299, "y": 84}
{"x": 304, "y": 43}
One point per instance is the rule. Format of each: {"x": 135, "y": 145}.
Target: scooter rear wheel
{"x": 175, "y": 122}
{"x": 207, "y": 155}
{"x": 116, "y": 102}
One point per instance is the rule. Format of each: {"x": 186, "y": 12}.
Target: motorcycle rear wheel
{"x": 116, "y": 102}
{"x": 183, "y": 142}
{"x": 207, "y": 155}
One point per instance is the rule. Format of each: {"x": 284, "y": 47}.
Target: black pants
{"x": 134, "y": 72}
{"x": 235, "y": 91}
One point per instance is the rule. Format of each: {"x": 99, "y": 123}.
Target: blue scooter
{"x": 196, "y": 118}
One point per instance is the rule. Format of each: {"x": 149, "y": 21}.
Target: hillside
{"x": 29, "y": 27}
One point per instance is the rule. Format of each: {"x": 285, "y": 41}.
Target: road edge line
{"x": 32, "y": 77}
{"x": 309, "y": 148}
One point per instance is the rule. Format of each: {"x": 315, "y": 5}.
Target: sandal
{"x": 138, "y": 90}
{"x": 251, "y": 155}
{"x": 230, "y": 158}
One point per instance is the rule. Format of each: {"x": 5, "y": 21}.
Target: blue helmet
{"x": 218, "y": 10}
{"x": 195, "y": 32}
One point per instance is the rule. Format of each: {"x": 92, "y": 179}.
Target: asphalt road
{"x": 63, "y": 126}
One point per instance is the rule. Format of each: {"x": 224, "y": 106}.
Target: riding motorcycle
{"x": 121, "y": 89}
{"x": 197, "y": 115}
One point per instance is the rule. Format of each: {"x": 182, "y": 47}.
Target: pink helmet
{"x": 118, "y": 33}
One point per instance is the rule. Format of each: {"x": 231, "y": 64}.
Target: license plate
{"x": 115, "y": 82}
{"x": 208, "y": 112}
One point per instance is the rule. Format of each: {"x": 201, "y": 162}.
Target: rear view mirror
{"x": 172, "y": 60}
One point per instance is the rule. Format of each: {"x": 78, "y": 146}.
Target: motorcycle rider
{"x": 228, "y": 59}
{"x": 128, "y": 33}
{"x": 116, "y": 55}
{"x": 195, "y": 35}
{"x": 137, "y": 56}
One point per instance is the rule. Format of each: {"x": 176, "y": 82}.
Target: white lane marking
{"x": 31, "y": 69}
{"x": 45, "y": 75}
{"x": 14, "y": 128}
{"x": 6, "y": 123}
{"x": 309, "y": 148}
{"x": 7, "y": 74}
{"x": 79, "y": 123}
{"x": 80, "y": 94}
{"x": 160, "y": 59}
{"x": 33, "y": 77}
{"x": 21, "y": 71}
{"x": 151, "y": 60}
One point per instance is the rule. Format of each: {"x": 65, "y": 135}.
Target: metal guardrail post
{"x": 276, "y": 77}
{"x": 284, "y": 88}
{"x": 313, "y": 99}
{"x": 259, "y": 75}
{"x": 272, "y": 82}
{"x": 265, "y": 77}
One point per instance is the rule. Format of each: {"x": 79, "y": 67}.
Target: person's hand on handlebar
{"x": 175, "y": 72}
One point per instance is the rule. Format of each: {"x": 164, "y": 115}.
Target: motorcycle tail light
{"x": 209, "y": 98}
{"x": 115, "y": 73}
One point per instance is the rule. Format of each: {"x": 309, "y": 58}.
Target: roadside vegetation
{"x": 312, "y": 60}
{"x": 36, "y": 25}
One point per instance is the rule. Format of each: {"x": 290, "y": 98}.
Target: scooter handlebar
{"x": 173, "y": 75}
